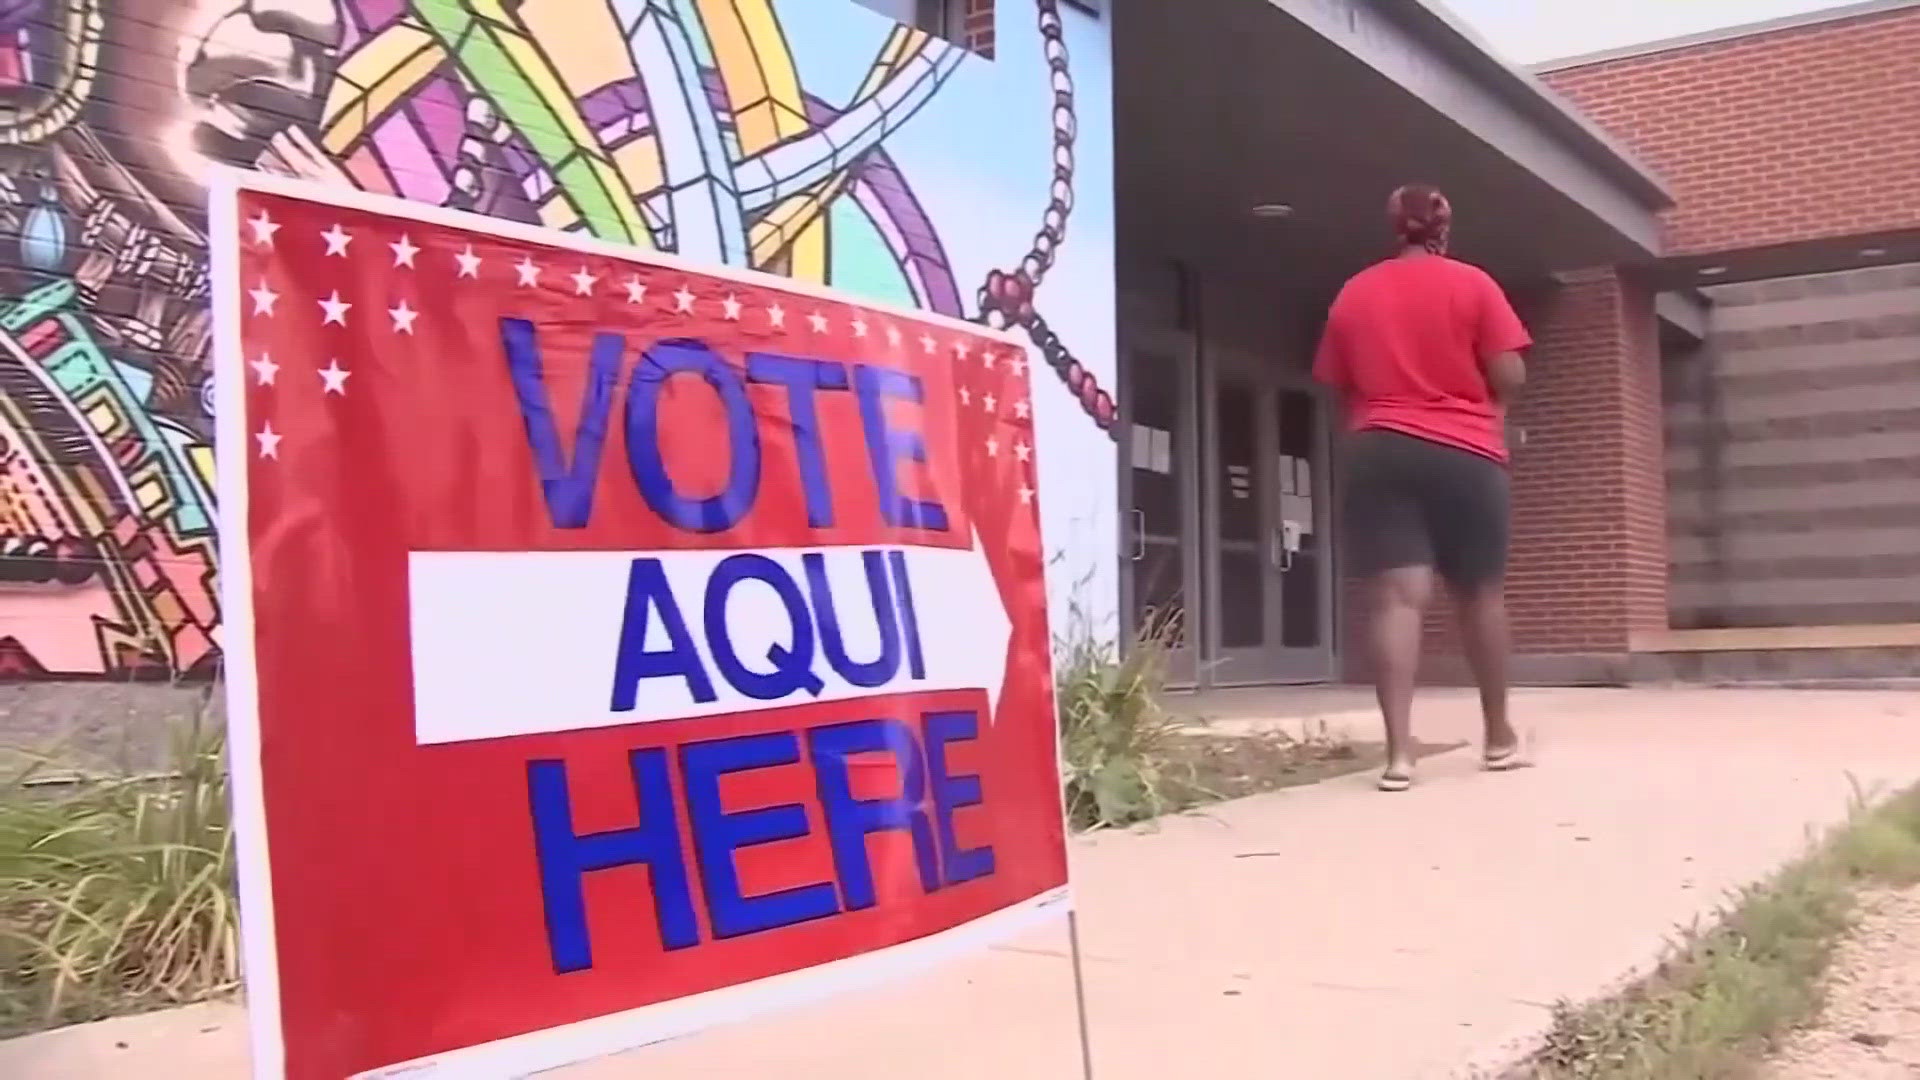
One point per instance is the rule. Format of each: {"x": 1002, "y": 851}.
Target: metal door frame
{"x": 1184, "y": 669}
{"x": 1272, "y": 663}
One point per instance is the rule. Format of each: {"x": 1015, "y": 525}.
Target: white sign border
{"x": 550, "y": 1048}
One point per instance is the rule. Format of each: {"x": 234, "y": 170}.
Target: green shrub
{"x": 1114, "y": 734}
{"x": 117, "y": 894}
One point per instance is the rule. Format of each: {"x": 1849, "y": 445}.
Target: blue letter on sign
{"x": 647, "y": 592}
{"x": 909, "y": 619}
{"x": 952, "y": 793}
{"x": 566, "y": 858}
{"x": 850, "y": 821}
{"x": 886, "y": 446}
{"x": 718, "y": 834}
{"x": 568, "y": 489}
{"x": 881, "y": 669}
{"x": 802, "y": 378}
{"x": 792, "y": 667}
{"x": 721, "y": 512}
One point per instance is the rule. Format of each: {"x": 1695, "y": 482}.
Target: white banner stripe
{"x": 520, "y": 643}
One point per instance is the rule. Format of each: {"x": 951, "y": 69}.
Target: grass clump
{"x": 1126, "y": 759}
{"x": 1115, "y": 736}
{"x": 1726, "y": 995}
{"x": 116, "y": 893}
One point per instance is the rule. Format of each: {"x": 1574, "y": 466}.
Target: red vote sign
{"x": 615, "y": 647}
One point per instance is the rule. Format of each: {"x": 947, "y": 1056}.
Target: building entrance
{"x": 1225, "y": 478}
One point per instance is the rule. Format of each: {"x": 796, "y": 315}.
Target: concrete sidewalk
{"x": 1321, "y": 932}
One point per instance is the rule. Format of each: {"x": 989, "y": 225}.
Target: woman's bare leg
{"x": 1400, "y": 599}
{"x": 1483, "y": 631}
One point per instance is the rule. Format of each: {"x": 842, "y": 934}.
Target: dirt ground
{"x": 1209, "y": 768}
{"x": 1870, "y": 1029}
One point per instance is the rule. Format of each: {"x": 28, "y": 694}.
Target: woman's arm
{"x": 1500, "y": 336}
{"x": 1506, "y": 374}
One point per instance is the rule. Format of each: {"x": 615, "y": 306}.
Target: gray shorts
{"x": 1408, "y": 501}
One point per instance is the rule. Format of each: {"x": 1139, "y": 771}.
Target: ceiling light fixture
{"x": 1273, "y": 210}
{"x": 1712, "y": 271}
{"x": 1873, "y": 253}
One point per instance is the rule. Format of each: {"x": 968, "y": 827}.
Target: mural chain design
{"x": 675, "y": 125}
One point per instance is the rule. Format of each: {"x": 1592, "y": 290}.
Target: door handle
{"x": 1139, "y": 536}
{"x": 1278, "y": 553}
{"x": 1285, "y": 544}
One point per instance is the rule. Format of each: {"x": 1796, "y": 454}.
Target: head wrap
{"x": 1421, "y": 217}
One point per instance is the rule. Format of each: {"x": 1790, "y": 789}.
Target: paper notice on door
{"x": 1152, "y": 449}
{"x": 1303, "y": 479}
{"x": 1142, "y": 448}
{"x": 1240, "y": 481}
{"x": 1286, "y": 475}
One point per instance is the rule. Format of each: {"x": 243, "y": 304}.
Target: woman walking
{"x": 1425, "y": 351}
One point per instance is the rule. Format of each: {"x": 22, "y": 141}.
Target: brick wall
{"x": 977, "y": 25}
{"x": 1800, "y": 133}
{"x": 1589, "y": 545}
{"x": 1794, "y": 454}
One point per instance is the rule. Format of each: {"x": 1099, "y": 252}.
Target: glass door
{"x": 1301, "y": 512}
{"x": 1157, "y": 453}
{"x": 1267, "y": 570}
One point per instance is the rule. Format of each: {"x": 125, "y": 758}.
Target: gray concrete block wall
{"x": 1793, "y": 455}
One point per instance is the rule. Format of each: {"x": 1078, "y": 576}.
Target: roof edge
{"x": 1838, "y": 13}
{"x": 1431, "y": 22}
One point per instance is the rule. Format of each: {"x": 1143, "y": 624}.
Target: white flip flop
{"x": 1517, "y": 756}
{"x": 1395, "y": 781}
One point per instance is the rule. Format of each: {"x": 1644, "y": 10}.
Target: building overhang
{"x": 1430, "y": 53}
{"x": 1821, "y": 255}
{"x": 1327, "y": 105}
{"x": 1684, "y": 315}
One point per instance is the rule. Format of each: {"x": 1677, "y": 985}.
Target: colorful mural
{"x": 764, "y": 133}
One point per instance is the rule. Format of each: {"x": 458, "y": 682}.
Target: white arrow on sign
{"x": 519, "y": 643}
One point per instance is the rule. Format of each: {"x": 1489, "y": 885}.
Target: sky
{"x": 1529, "y": 31}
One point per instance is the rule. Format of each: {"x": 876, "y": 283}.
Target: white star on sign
{"x": 334, "y": 377}
{"x": 732, "y": 306}
{"x": 683, "y": 299}
{"x": 529, "y": 273}
{"x": 337, "y": 240}
{"x": 777, "y": 316}
{"x": 404, "y": 249}
{"x": 1026, "y": 494}
{"x": 1021, "y": 409}
{"x": 1023, "y": 451}
{"x": 636, "y": 291}
{"x": 990, "y": 403}
{"x": 961, "y": 349}
{"x": 263, "y": 228}
{"x": 469, "y": 262}
{"x": 264, "y": 369}
{"x": 987, "y": 358}
{"x": 1018, "y": 367}
{"x": 334, "y": 309}
{"x": 269, "y": 440}
{"x": 859, "y": 328}
{"x": 583, "y": 282}
{"x": 403, "y": 317}
{"x": 263, "y": 299}
{"x": 927, "y": 343}
{"x": 818, "y": 322}
{"x": 893, "y": 336}
{"x": 966, "y": 396}
{"x": 993, "y": 446}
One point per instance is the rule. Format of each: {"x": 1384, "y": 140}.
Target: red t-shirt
{"x": 1404, "y": 343}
